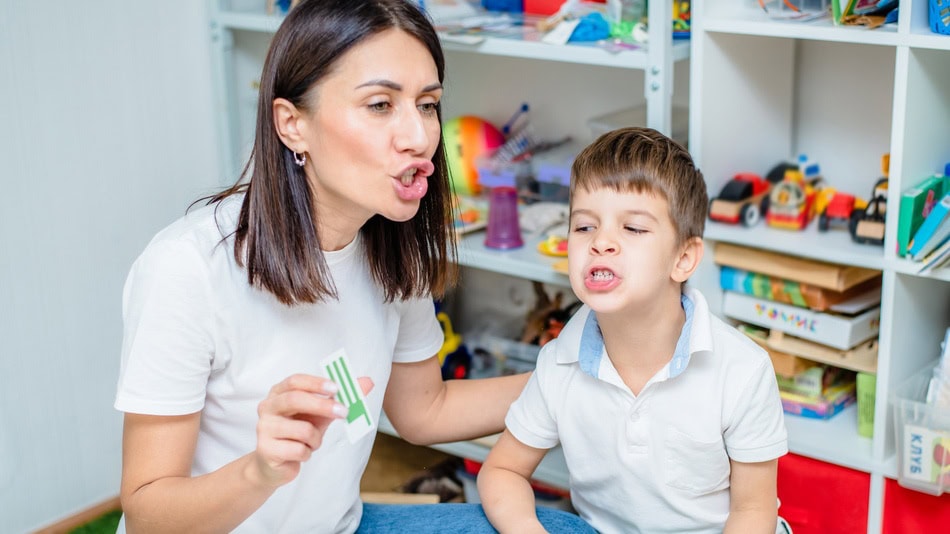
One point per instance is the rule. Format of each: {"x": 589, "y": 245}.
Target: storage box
{"x": 552, "y": 170}
{"x": 637, "y": 116}
{"x": 923, "y": 436}
{"x": 911, "y": 511}
{"x": 940, "y": 16}
{"x": 839, "y": 331}
{"x": 821, "y": 498}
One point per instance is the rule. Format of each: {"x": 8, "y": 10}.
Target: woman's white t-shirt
{"x": 199, "y": 338}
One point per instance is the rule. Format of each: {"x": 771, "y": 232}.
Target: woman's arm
{"x": 504, "y": 487}
{"x": 158, "y": 492}
{"x": 424, "y": 409}
{"x": 753, "y": 500}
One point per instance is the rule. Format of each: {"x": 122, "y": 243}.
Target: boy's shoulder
{"x": 727, "y": 342}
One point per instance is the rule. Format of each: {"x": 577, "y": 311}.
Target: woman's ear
{"x": 289, "y": 123}
{"x": 690, "y": 254}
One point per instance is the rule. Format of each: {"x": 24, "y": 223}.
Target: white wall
{"x": 106, "y": 135}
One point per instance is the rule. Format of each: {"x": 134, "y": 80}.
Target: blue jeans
{"x": 453, "y": 518}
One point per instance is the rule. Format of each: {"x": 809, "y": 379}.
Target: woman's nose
{"x": 411, "y": 132}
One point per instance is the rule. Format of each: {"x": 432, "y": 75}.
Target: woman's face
{"x": 371, "y": 135}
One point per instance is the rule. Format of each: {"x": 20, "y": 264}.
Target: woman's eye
{"x": 380, "y": 107}
{"x": 429, "y": 108}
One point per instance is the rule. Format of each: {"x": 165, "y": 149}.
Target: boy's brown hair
{"x": 643, "y": 160}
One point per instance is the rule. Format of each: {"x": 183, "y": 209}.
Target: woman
{"x": 338, "y": 240}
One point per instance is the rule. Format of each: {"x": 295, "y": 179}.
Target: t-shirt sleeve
{"x": 530, "y": 418}
{"x": 756, "y": 432}
{"x": 420, "y": 336}
{"x": 167, "y": 345}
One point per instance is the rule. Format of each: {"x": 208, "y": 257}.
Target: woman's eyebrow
{"x": 389, "y": 84}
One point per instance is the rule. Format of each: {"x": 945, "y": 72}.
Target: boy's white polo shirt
{"x": 657, "y": 461}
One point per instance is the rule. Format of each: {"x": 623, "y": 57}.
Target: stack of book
{"x": 818, "y": 321}
{"x": 923, "y": 227}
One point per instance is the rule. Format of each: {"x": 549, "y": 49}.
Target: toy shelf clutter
{"x": 845, "y": 96}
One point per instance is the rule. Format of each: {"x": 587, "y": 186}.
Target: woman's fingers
{"x": 292, "y": 421}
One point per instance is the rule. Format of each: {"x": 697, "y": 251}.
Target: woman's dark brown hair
{"x": 276, "y": 238}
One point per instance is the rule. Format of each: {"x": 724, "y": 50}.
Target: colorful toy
{"x": 554, "y": 245}
{"x": 867, "y": 225}
{"x": 836, "y": 206}
{"x": 453, "y": 356}
{"x": 791, "y": 202}
{"x": 743, "y": 199}
{"x": 466, "y": 138}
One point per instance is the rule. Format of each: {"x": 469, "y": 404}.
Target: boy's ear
{"x": 690, "y": 254}
{"x": 290, "y": 124}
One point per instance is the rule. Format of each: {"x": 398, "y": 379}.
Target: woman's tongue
{"x": 414, "y": 190}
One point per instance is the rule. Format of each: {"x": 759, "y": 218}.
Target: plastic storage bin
{"x": 923, "y": 437}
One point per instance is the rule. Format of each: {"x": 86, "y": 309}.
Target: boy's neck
{"x": 641, "y": 342}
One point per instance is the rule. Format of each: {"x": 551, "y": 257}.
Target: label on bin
{"x": 926, "y": 456}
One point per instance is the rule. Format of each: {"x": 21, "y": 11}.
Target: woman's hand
{"x": 291, "y": 423}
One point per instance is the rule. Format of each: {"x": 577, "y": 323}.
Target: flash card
{"x": 358, "y": 421}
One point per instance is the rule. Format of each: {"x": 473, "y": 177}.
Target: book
{"x": 937, "y": 258}
{"x": 916, "y": 203}
{"x": 789, "y": 291}
{"x": 817, "y": 273}
{"x": 933, "y": 231}
{"x": 833, "y": 402}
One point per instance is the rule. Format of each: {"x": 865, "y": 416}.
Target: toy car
{"x": 838, "y": 207}
{"x": 867, "y": 226}
{"x": 743, "y": 200}
{"x": 791, "y": 203}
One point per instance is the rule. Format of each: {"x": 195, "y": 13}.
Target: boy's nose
{"x": 603, "y": 244}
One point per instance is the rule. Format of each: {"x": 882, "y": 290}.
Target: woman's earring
{"x": 300, "y": 159}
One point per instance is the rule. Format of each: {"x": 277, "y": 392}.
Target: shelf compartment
{"x": 257, "y": 20}
{"x": 834, "y": 440}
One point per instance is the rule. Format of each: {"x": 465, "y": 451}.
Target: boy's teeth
{"x": 602, "y": 275}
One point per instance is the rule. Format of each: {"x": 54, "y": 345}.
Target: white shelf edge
{"x": 910, "y": 267}
{"x": 524, "y": 262}
{"x": 582, "y": 54}
{"x": 821, "y": 30}
{"x": 833, "y": 246}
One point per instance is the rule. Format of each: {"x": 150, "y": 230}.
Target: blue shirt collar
{"x": 591, "y": 346}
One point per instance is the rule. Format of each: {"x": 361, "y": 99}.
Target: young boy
{"x": 670, "y": 420}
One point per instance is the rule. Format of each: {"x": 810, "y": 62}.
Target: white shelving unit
{"x": 241, "y": 31}
{"x": 844, "y": 96}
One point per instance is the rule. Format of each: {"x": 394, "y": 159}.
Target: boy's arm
{"x": 753, "y": 500}
{"x": 503, "y": 485}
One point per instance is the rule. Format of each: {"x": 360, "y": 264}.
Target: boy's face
{"x": 622, "y": 250}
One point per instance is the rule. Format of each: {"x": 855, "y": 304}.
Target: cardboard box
{"x": 839, "y": 331}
